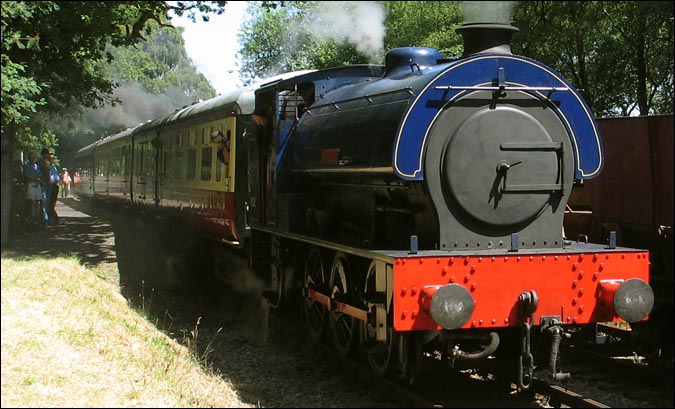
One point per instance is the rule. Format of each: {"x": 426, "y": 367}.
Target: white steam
{"x": 488, "y": 11}
{"x": 138, "y": 106}
{"x": 360, "y": 24}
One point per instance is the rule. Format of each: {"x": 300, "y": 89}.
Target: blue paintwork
{"x": 481, "y": 70}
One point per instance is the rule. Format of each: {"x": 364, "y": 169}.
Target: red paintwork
{"x": 218, "y": 220}
{"x": 567, "y": 286}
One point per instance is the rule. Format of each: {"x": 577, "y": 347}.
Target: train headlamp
{"x": 633, "y": 300}
{"x": 451, "y": 306}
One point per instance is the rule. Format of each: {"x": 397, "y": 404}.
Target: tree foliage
{"x": 620, "y": 54}
{"x": 152, "y": 79}
{"x": 50, "y": 54}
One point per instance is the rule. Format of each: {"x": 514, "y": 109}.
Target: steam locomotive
{"x": 414, "y": 211}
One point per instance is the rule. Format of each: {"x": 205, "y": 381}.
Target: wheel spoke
{"x": 342, "y": 326}
{"x": 379, "y": 356}
{"x": 314, "y": 313}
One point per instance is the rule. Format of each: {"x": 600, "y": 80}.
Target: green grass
{"x": 69, "y": 339}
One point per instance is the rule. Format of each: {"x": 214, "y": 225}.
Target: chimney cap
{"x": 486, "y": 37}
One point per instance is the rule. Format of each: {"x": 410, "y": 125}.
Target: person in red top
{"x": 66, "y": 180}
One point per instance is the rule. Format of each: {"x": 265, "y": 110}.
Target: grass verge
{"x": 69, "y": 339}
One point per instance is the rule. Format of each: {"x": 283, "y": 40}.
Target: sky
{"x": 213, "y": 45}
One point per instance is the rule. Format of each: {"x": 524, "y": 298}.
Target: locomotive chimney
{"x": 486, "y": 38}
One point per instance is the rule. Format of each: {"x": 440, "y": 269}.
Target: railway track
{"x": 435, "y": 390}
{"x": 559, "y": 397}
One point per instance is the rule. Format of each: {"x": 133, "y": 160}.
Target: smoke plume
{"x": 348, "y": 22}
{"x": 138, "y": 106}
{"x": 488, "y": 11}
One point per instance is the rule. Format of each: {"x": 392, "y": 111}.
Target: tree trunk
{"x": 7, "y": 137}
{"x": 641, "y": 67}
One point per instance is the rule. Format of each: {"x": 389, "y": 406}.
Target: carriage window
{"x": 191, "y": 164}
{"x": 168, "y": 158}
{"x": 178, "y": 166}
{"x": 290, "y": 105}
{"x": 219, "y": 170}
{"x": 123, "y": 164}
{"x": 207, "y": 160}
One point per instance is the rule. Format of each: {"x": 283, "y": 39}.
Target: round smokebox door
{"x": 500, "y": 166}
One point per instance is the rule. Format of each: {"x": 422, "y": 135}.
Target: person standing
{"x": 65, "y": 181}
{"x": 53, "y": 190}
{"x": 222, "y": 146}
{"x": 44, "y": 165}
{"x": 32, "y": 181}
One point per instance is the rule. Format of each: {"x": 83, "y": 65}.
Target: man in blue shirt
{"x": 54, "y": 180}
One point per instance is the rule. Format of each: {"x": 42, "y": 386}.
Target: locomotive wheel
{"x": 314, "y": 313}
{"x": 381, "y": 356}
{"x": 409, "y": 357}
{"x": 342, "y": 326}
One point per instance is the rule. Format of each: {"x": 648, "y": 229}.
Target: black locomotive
{"x": 413, "y": 209}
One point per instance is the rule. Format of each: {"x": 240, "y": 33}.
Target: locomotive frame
{"x": 413, "y": 210}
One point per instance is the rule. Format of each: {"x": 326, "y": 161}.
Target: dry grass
{"x": 70, "y": 340}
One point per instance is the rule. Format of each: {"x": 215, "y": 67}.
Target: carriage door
{"x": 261, "y": 161}
{"x": 157, "y": 160}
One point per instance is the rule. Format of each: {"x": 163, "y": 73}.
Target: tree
{"x": 154, "y": 78}
{"x": 49, "y": 54}
{"x": 427, "y": 24}
{"x": 620, "y": 54}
